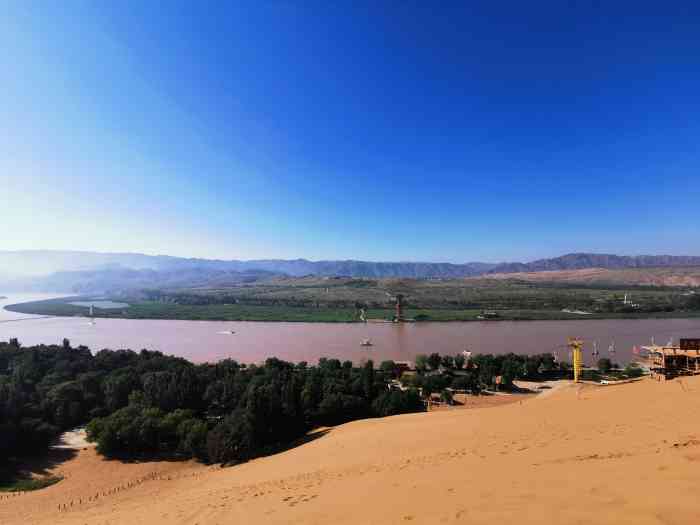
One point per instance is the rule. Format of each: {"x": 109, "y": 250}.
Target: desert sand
{"x": 627, "y": 454}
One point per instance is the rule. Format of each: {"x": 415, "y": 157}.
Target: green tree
{"x": 232, "y": 439}
{"x": 388, "y": 367}
{"x": 434, "y": 383}
{"x": 510, "y": 370}
{"x": 421, "y": 363}
{"x": 434, "y": 361}
{"x": 446, "y": 396}
{"x": 604, "y": 365}
{"x": 693, "y": 302}
{"x": 394, "y": 402}
{"x": 633, "y": 370}
{"x": 447, "y": 362}
{"x": 368, "y": 380}
{"x": 467, "y": 381}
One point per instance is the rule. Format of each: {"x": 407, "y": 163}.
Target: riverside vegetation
{"x": 343, "y": 299}
{"x": 149, "y": 404}
{"x": 146, "y": 404}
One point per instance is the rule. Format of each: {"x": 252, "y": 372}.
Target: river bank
{"x": 252, "y": 342}
{"x": 67, "y": 307}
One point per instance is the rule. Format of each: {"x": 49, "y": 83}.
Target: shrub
{"x": 232, "y": 439}
{"x": 397, "y": 402}
{"x": 633, "y": 370}
{"x": 604, "y": 365}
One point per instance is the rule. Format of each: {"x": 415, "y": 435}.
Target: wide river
{"x": 254, "y": 341}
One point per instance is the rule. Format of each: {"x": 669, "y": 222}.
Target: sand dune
{"x": 620, "y": 454}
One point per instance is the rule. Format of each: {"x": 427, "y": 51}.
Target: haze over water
{"x": 255, "y": 341}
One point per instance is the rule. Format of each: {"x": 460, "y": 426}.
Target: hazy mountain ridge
{"x": 579, "y": 261}
{"x": 91, "y": 272}
{"x": 44, "y": 262}
{"x": 115, "y": 280}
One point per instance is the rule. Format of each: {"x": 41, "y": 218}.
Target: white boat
{"x": 366, "y": 342}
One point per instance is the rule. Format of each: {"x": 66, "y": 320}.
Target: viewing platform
{"x": 666, "y": 362}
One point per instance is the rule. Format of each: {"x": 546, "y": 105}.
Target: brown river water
{"x": 210, "y": 341}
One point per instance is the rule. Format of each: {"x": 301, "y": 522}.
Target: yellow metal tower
{"x": 576, "y": 346}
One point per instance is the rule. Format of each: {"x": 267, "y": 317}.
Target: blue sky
{"x": 395, "y": 131}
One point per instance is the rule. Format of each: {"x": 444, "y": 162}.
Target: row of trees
{"x": 606, "y": 366}
{"x": 147, "y": 403}
{"x": 514, "y": 296}
{"x": 437, "y": 372}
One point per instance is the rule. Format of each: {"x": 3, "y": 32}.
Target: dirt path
{"x": 73, "y": 440}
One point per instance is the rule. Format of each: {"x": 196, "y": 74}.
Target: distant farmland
{"x": 341, "y": 300}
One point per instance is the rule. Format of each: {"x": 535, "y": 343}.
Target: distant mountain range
{"x": 90, "y": 272}
{"x": 579, "y": 261}
{"x": 114, "y": 280}
{"x": 44, "y": 262}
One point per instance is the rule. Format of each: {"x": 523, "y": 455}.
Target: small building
{"x": 666, "y": 362}
{"x": 403, "y": 366}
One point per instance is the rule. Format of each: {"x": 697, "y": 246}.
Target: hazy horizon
{"x": 371, "y": 132}
{"x": 40, "y": 262}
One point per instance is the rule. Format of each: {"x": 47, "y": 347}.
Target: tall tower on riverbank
{"x": 399, "y": 308}
{"x": 576, "y": 346}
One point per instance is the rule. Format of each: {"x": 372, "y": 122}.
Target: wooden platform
{"x": 666, "y": 362}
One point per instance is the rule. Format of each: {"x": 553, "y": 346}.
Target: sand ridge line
{"x": 469, "y": 466}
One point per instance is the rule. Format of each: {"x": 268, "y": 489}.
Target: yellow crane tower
{"x": 576, "y": 346}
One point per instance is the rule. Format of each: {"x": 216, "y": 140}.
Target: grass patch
{"x": 28, "y": 484}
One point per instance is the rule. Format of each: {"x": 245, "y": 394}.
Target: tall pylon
{"x": 576, "y": 346}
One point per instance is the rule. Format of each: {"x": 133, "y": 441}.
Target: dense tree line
{"x": 518, "y": 295}
{"x": 435, "y": 372}
{"x": 146, "y": 403}
{"x": 140, "y": 404}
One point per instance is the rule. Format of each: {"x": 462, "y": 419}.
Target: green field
{"x": 321, "y": 299}
{"x": 453, "y": 294}
{"x": 320, "y": 313}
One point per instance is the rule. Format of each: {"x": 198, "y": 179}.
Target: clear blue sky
{"x": 401, "y": 131}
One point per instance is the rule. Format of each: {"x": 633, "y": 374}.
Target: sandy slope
{"x": 626, "y": 454}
